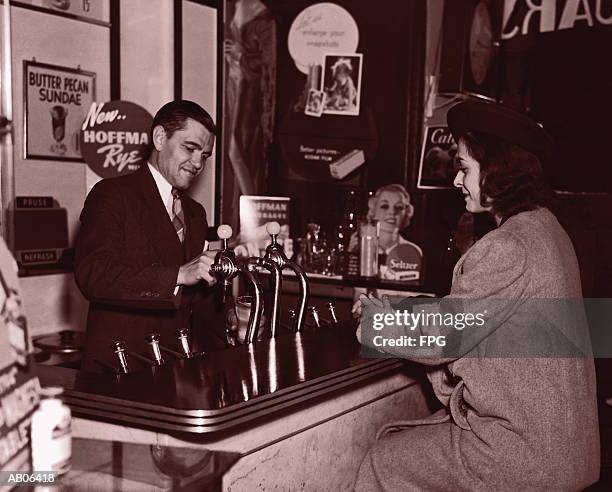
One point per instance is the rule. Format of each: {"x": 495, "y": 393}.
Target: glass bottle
{"x": 51, "y": 433}
{"x": 348, "y": 231}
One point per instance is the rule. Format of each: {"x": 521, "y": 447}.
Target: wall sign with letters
{"x": 40, "y": 230}
{"x": 115, "y": 137}
{"x": 522, "y": 17}
{"x": 56, "y": 102}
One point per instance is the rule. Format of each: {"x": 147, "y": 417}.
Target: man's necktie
{"x": 178, "y": 218}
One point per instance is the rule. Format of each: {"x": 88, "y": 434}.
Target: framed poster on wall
{"x": 56, "y": 101}
{"x": 95, "y": 11}
{"x": 437, "y": 167}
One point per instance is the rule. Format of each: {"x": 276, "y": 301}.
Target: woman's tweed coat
{"x": 508, "y": 423}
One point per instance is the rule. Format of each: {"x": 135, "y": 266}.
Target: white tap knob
{"x": 224, "y": 231}
{"x": 273, "y": 228}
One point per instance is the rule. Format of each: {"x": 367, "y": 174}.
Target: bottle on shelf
{"x": 51, "y": 433}
{"x": 348, "y": 232}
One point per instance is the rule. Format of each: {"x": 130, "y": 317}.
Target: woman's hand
{"x": 370, "y": 300}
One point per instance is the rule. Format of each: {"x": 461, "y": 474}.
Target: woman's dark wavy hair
{"x": 511, "y": 178}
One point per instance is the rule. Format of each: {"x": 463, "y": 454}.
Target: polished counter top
{"x": 221, "y": 390}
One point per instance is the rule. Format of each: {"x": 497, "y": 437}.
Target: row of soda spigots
{"x": 318, "y": 321}
{"x": 120, "y": 350}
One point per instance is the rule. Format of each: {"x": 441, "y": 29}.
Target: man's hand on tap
{"x": 197, "y": 269}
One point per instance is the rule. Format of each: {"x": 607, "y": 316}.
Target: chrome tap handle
{"x": 275, "y": 252}
{"x": 225, "y": 267}
{"x": 184, "y": 340}
{"x": 301, "y": 312}
{"x": 119, "y": 350}
{"x": 277, "y": 278}
{"x": 315, "y": 315}
{"x": 255, "y": 314}
{"x": 153, "y": 341}
{"x": 224, "y": 232}
{"x": 332, "y": 312}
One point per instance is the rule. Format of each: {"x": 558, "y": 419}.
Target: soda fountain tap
{"x": 291, "y": 325}
{"x": 275, "y": 252}
{"x": 226, "y": 258}
{"x": 119, "y": 351}
{"x": 332, "y": 312}
{"x": 184, "y": 340}
{"x": 319, "y": 320}
{"x": 225, "y": 268}
{"x": 315, "y": 316}
{"x": 277, "y": 279}
{"x": 153, "y": 341}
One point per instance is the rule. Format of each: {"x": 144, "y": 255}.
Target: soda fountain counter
{"x": 300, "y": 408}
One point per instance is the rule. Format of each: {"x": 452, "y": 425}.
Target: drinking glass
{"x": 369, "y": 232}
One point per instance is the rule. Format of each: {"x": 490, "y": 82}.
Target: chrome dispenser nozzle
{"x": 184, "y": 340}
{"x": 277, "y": 280}
{"x": 315, "y": 316}
{"x": 225, "y": 268}
{"x": 153, "y": 341}
{"x": 119, "y": 351}
{"x": 332, "y": 312}
{"x": 275, "y": 253}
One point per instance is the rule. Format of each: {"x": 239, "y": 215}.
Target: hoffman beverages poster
{"x": 255, "y": 213}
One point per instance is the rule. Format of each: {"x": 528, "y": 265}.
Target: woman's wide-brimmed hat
{"x": 504, "y": 123}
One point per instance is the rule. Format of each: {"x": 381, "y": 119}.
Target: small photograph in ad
{"x": 342, "y": 83}
{"x": 315, "y": 103}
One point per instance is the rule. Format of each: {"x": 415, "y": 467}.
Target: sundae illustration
{"x": 58, "y": 125}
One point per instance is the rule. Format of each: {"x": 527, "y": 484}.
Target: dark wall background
{"x": 563, "y": 79}
{"x": 392, "y": 41}
{"x": 571, "y": 94}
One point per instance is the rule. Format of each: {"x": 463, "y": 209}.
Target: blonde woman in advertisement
{"x": 390, "y": 206}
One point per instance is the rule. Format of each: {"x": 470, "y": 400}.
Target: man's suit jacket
{"x": 127, "y": 260}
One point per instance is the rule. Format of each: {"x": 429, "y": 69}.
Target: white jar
{"x": 51, "y": 433}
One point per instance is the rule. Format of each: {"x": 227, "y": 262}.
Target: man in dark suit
{"x": 140, "y": 251}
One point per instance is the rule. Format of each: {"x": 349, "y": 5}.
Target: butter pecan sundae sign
{"x": 114, "y": 137}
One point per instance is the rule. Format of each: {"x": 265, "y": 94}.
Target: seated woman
{"x": 518, "y": 413}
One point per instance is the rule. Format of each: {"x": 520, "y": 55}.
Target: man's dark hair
{"x": 511, "y": 178}
{"x": 173, "y": 115}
